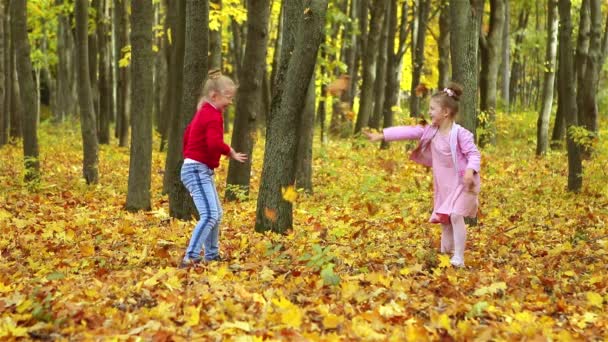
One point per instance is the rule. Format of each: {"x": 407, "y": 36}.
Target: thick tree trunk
{"x": 123, "y": 99}
{"x": 443, "y": 45}
{"x": 588, "y": 112}
{"x": 64, "y": 100}
{"x": 3, "y": 52}
{"x": 517, "y": 68}
{"x": 94, "y": 61}
{"x": 215, "y": 41}
{"x": 505, "y": 67}
{"x": 422, "y": 12}
{"x": 160, "y": 74}
{"x": 16, "y": 106}
{"x": 177, "y": 18}
{"x": 380, "y": 83}
{"x": 276, "y": 57}
{"x": 170, "y": 73}
{"x": 567, "y": 91}
{"x": 85, "y": 98}
{"x": 27, "y": 90}
{"x": 249, "y": 100}
{"x": 305, "y": 137}
{"x": 488, "y": 78}
{"x": 8, "y": 80}
{"x": 142, "y": 64}
{"x": 105, "y": 92}
{"x": 369, "y": 65}
{"x": 195, "y": 69}
{"x": 303, "y": 35}
{"x": 542, "y": 133}
{"x": 465, "y": 21}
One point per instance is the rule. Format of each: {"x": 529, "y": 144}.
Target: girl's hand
{"x": 469, "y": 180}
{"x": 373, "y": 137}
{"x": 238, "y": 156}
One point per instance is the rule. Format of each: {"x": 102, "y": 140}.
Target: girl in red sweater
{"x": 203, "y": 146}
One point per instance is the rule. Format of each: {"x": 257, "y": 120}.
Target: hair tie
{"x": 449, "y": 91}
{"x": 214, "y": 74}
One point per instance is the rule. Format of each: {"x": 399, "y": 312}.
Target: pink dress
{"x": 450, "y": 195}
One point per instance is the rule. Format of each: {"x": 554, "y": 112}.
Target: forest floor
{"x": 361, "y": 263}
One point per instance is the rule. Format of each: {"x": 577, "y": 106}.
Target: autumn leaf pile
{"x": 360, "y": 264}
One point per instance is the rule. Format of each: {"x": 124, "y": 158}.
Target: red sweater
{"x": 204, "y": 137}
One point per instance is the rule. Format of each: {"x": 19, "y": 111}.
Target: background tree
{"x": 142, "y": 60}
{"x": 3, "y": 111}
{"x": 123, "y": 98}
{"x": 505, "y": 67}
{"x": 304, "y": 23}
{"x": 196, "y": 50}
{"x": 465, "y": 21}
{"x": 567, "y": 91}
{"x": 103, "y": 72}
{"x": 588, "y": 111}
{"x": 517, "y": 56}
{"x": 418, "y": 38}
{"x": 542, "y": 136}
{"x": 85, "y": 96}
{"x": 443, "y": 45}
{"x": 65, "y": 89}
{"x": 248, "y": 102}
{"x": 490, "y": 47}
{"x": 27, "y": 89}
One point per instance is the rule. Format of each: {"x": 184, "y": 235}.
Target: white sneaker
{"x": 457, "y": 261}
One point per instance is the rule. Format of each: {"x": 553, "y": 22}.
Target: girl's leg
{"x": 460, "y": 238}
{"x": 198, "y": 180}
{"x": 447, "y": 238}
{"x": 212, "y": 248}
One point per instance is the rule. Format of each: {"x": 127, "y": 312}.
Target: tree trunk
{"x": 276, "y": 57}
{"x": 305, "y": 136}
{"x": 488, "y": 78}
{"x": 588, "y": 112}
{"x": 171, "y": 74}
{"x": 580, "y": 58}
{"x": 8, "y": 80}
{"x": 85, "y": 97}
{"x": 380, "y": 83}
{"x": 444, "y": 45}
{"x": 196, "y": 58}
{"x": 215, "y": 41}
{"x": 142, "y": 63}
{"x": 465, "y": 21}
{"x": 303, "y": 35}
{"x": 177, "y": 19}
{"x": 160, "y": 75}
{"x": 517, "y": 69}
{"x": 64, "y": 99}
{"x": 94, "y": 61}
{"x": 249, "y": 100}
{"x": 3, "y": 87}
{"x": 369, "y": 65}
{"x": 16, "y": 108}
{"x": 424, "y": 7}
{"x": 542, "y": 135}
{"x": 506, "y": 53}
{"x": 27, "y": 90}
{"x": 105, "y": 93}
{"x": 123, "y": 105}
{"x": 567, "y": 91}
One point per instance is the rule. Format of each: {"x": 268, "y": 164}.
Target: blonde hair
{"x": 449, "y": 97}
{"x": 216, "y": 82}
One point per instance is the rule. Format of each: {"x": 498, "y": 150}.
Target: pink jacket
{"x": 462, "y": 144}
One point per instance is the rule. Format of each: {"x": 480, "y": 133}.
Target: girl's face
{"x": 438, "y": 113}
{"x": 222, "y": 99}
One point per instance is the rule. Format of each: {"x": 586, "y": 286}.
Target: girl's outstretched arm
{"x": 403, "y": 133}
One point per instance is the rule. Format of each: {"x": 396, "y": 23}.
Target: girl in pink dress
{"x": 450, "y": 150}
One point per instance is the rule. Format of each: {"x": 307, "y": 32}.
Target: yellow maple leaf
{"x": 87, "y": 249}
{"x": 595, "y": 299}
{"x": 192, "y": 315}
{"x": 9, "y": 328}
{"x": 331, "y": 321}
{"x": 245, "y": 326}
{"x": 444, "y": 261}
{"x": 363, "y": 329}
{"x": 291, "y": 314}
{"x": 289, "y": 193}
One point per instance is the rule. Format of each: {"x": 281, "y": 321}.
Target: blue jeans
{"x": 198, "y": 179}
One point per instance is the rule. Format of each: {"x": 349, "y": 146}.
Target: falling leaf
{"x": 289, "y": 193}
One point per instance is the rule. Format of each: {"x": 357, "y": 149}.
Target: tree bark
{"x": 3, "y": 52}
{"x": 123, "y": 105}
{"x": 177, "y": 18}
{"x": 588, "y": 112}
{"x": 488, "y": 78}
{"x": 85, "y": 97}
{"x": 517, "y": 68}
{"x": 248, "y": 103}
{"x": 380, "y": 83}
{"x": 27, "y": 90}
{"x": 65, "y": 101}
{"x": 195, "y": 72}
{"x": 304, "y": 24}
{"x": 369, "y": 65}
{"x": 465, "y": 21}
{"x": 305, "y": 137}
{"x": 567, "y": 91}
{"x": 105, "y": 93}
{"x": 422, "y": 12}
{"x": 443, "y": 45}
{"x": 542, "y": 134}
{"x": 215, "y": 41}
{"x": 142, "y": 62}
{"x": 8, "y": 80}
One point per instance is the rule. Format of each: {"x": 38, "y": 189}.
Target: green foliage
{"x": 582, "y": 137}
{"x": 229, "y": 10}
